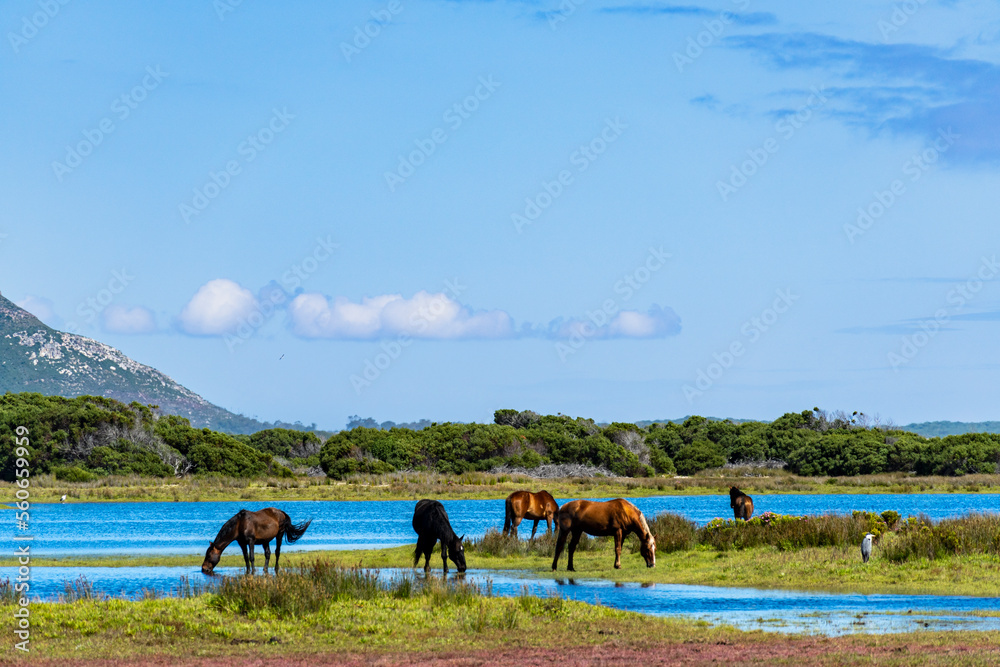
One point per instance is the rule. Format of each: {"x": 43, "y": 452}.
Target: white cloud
{"x": 217, "y": 308}
{"x": 425, "y": 315}
{"x": 125, "y": 320}
{"x": 656, "y": 323}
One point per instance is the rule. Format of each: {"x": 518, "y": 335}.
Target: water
{"x": 744, "y": 608}
{"x": 95, "y": 529}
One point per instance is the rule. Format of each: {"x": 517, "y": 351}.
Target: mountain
{"x": 35, "y": 357}
{"x": 943, "y": 428}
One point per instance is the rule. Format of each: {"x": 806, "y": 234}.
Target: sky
{"x": 413, "y": 209}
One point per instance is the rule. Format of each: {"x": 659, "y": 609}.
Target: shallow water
{"x": 186, "y": 527}
{"x": 744, "y": 608}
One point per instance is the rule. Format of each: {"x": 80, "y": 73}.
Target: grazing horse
{"x": 250, "y": 528}
{"x": 431, "y": 524}
{"x": 532, "y": 506}
{"x": 614, "y": 517}
{"x": 741, "y": 503}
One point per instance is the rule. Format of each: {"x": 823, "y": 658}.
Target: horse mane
{"x": 645, "y": 526}
{"x": 228, "y": 530}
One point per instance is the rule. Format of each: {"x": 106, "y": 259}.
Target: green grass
{"x": 832, "y": 569}
{"x": 418, "y": 628}
{"x": 412, "y": 486}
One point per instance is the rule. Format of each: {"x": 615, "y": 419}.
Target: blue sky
{"x": 437, "y": 208}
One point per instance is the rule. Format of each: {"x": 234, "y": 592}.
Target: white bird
{"x": 866, "y": 547}
{"x": 63, "y": 499}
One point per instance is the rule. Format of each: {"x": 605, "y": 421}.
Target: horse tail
{"x": 293, "y": 532}
{"x": 508, "y": 516}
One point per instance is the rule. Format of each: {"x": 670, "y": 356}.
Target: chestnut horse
{"x": 614, "y": 517}
{"x": 250, "y": 528}
{"x": 531, "y": 506}
{"x": 741, "y": 503}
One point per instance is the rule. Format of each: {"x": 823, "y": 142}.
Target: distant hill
{"x": 943, "y": 428}
{"x": 647, "y": 422}
{"x": 35, "y": 357}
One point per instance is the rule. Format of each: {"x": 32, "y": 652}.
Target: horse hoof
{"x": 618, "y": 566}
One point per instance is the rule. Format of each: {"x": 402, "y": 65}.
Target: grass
{"x": 344, "y": 613}
{"x": 414, "y": 485}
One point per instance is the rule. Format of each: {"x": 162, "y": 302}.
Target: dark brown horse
{"x": 615, "y": 517}
{"x": 741, "y": 503}
{"x": 430, "y": 523}
{"x": 532, "y": 506}
{"x": 250, "y": 528}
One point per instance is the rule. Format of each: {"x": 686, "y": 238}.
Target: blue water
{"x": 744, "y": 608}
{"x": 186, "y": 528}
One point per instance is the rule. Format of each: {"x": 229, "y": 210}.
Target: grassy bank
{"x": 831, "y": 569}
{"x": 329, "y": 615}
{"x": 410, "y": 486}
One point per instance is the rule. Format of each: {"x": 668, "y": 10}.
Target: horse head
{"x": 456, "y": 552}
{"x": 647, "y": 546}
{"x": 212, "y": 556}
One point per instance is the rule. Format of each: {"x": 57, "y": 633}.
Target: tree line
{"x": 85, "y": 438}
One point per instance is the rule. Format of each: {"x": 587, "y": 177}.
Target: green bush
{"x": 673, "y": 532}
{"x": 73, "y": 474}
{"x": 698, "y": 456}
{"x": 126, "y": 458}
{"x": 222, "y": 454}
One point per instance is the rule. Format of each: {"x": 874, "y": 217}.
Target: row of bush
{"x": 84, "y": 438}
{"x": 808, "y": 443}
{"x": 897, "y": 540}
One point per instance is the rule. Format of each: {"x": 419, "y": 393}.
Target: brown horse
{"x": 741, "y": 503}
{"x": 532, "y": 506}
{"x": 615, "y": 517}
{"x": 250, "y": 528}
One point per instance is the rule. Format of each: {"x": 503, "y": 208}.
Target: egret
{"x": 866, "y": 547}
{"x": 63, "y": 499}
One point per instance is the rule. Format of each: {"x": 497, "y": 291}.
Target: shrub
{"x": 73, "y": 474}
{"x": 698, "y": 456}
{"x": 673, "y": 532}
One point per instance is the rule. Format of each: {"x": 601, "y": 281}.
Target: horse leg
{"x": 560, "y": 543}
{"x": 534, "y": 528}
{"x": 572, "y": 548}
{"x": 444, "y": 555}
{"x": 548, "y": 523}
{"x": 514, "y": 523}
{"x": 619, "y": 538}
{"x": 250, "y": 549}
{"x": 267, "y": 555}
{"x": 277, "y": 551}
{"x": 246, "y": 556}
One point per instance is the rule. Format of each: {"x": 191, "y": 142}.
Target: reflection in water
{"x": 744, "y": 608}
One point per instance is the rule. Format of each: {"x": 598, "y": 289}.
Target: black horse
{"x": 431, "y": 524}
